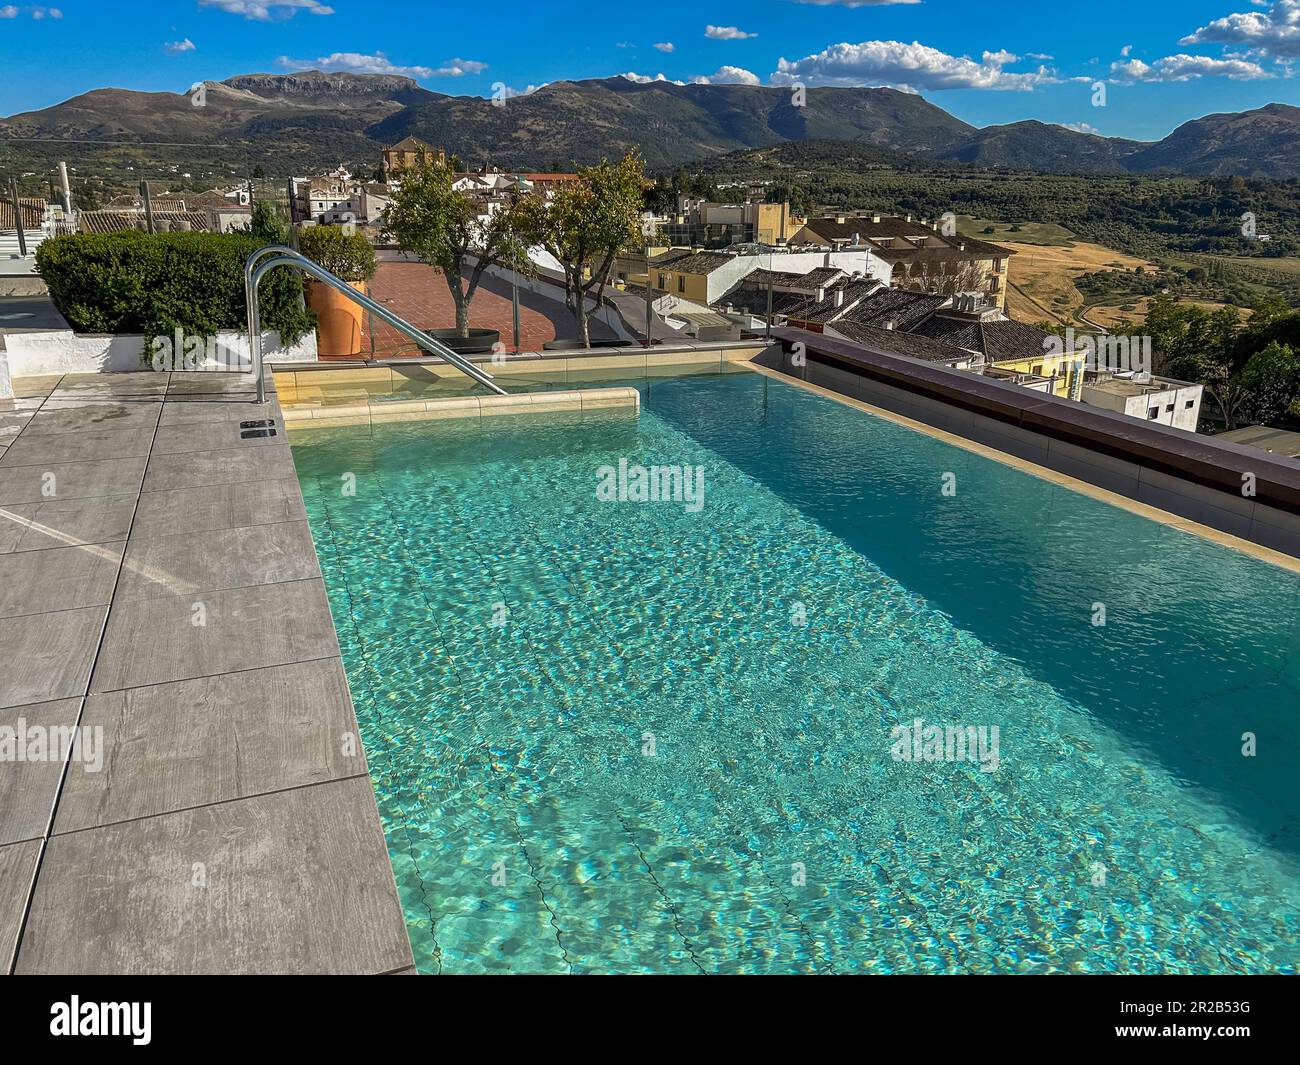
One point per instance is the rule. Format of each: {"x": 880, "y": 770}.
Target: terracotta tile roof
{"x": 412, "y": 144}
{"x": 701, "y": 262}
{"x": 907, "y": 309}
{"x": 893, "y": 342}
{"x": 121, "y": 221}
{"x": 33, "y": 213}
{"x": 997, "y": 341}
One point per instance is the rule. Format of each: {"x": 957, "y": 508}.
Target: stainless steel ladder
{"x": 255, "y": 269}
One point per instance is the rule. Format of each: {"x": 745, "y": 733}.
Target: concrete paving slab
{"x": 205, "y": 409}
{"x": 17, "y": 867}
{"x": 217, "y": 467}
{"x": 176, "y": 565}
{"x": 79, "y": 447}
{"x": 171, "y": 747}
{"x": 92, "y": 417}
{"x": 216, "y": 435}
{"x": 65, "y": 523}
{"x": 214, "y": 508}
{"x": 154, "y": 641}
{"x": 70, "y": 480}
{"x": 28, "y": 787}
{"x": 293, "y": 882}
{"x": 48, "y": 656}
{"x": 59, "y": 578}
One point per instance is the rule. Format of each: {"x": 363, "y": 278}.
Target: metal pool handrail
{"x": 255, "y": 269}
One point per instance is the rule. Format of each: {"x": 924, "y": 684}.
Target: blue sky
{"x": 993, "y": 61}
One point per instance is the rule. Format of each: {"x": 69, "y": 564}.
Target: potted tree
{"x": 584, "y": 225}
{"x": 349, "y": 256}
{"x": 461, "y": 234}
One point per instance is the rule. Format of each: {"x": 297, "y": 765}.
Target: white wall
{"x": 63, "y": 351}
{"x": 1178, "y": 396}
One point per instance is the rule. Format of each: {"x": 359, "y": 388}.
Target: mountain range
{"x": 315, "y": 118}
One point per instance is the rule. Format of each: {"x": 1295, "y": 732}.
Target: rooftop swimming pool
{"x": 699, "y": 733}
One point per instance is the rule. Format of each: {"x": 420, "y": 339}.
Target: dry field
{"x": 1042, "y": 278}
{"x": 1108, "y": 316}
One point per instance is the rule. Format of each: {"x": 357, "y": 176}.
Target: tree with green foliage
{"x": 585, "y": 224}
{"x": 344, "y": 253}
{"x": 1271, "y": 379}
{"x": 268, "y": 224}
{"x": 444, "y": 227}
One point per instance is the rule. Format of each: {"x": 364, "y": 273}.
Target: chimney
{"x": 821, "y": 293}
{"x": 839, "y": 296}
{"x": 909, "y": 217}
{"x": 875, "y": 218}
{"x": 889, "y": 323}
{"x": 840, "y": 219}
{"x": 857, "y": 239}
{"x": 961, "y": 246}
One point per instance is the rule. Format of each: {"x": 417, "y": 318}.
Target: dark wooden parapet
{"x": 1199, "y": 459}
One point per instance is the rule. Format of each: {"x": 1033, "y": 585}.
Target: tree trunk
{"x": 457, "y": 291}
{"x": 462, "y": 317}
{"x": 583, "y": 333}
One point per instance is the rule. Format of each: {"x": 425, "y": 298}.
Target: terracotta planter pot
{"x": 339, "y": 322}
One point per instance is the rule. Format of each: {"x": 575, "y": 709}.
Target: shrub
{"x": 156, "y": 283}
{"x": 345, "y": 255}
{"x": 267, "y": 224}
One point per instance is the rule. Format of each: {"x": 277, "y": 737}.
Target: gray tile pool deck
{"x": 158, "y": 585}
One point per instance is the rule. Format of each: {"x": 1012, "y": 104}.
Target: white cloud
{"x": 729, "y": 76}
{"x": 458, "y": 68}
{"x": 505, "y": 92}
{"x": 1187, "y": 68}
{"x": 177, "y": 47}
{"x": 665, "y": 46}
{"x": 1272, "y": 32}
{"x": 8, "y": 11}
{"x": 1080, "y": 127}
{"x": 727, "y": 33}
{"x": 645, "y": 79}
{"x": 359, "y": 63}
{"x": 912, "y": 66}
{"x": 1126, "y": 51}
{"x": 268, "y": 10}
{"x": 13, "y": 11}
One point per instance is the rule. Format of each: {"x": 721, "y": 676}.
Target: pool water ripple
{"x": 771, "y": 830}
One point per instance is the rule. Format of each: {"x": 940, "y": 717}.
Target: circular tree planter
{"x": 478, "y": 341}
{"x": 338, "y": 320}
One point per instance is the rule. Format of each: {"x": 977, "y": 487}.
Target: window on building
{"x": 663, "y": 280}
{"x": 1169, "y": 409}
{"x": 1037, "y": 370}
{"x": 1190, "y": 404}
{"x": 1153, "y": 413}
{"x": 681, "y": 283}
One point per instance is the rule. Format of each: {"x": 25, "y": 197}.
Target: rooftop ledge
{"x": 1198, "y": 477}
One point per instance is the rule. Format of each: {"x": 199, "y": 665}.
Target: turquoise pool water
{"x": 652, "y": 737}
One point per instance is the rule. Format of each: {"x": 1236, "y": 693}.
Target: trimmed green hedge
{"x": 156, "y": 283}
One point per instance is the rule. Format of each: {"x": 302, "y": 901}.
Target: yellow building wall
{"x": 1045, "y": 365}
{"x": 695, "y": 289}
